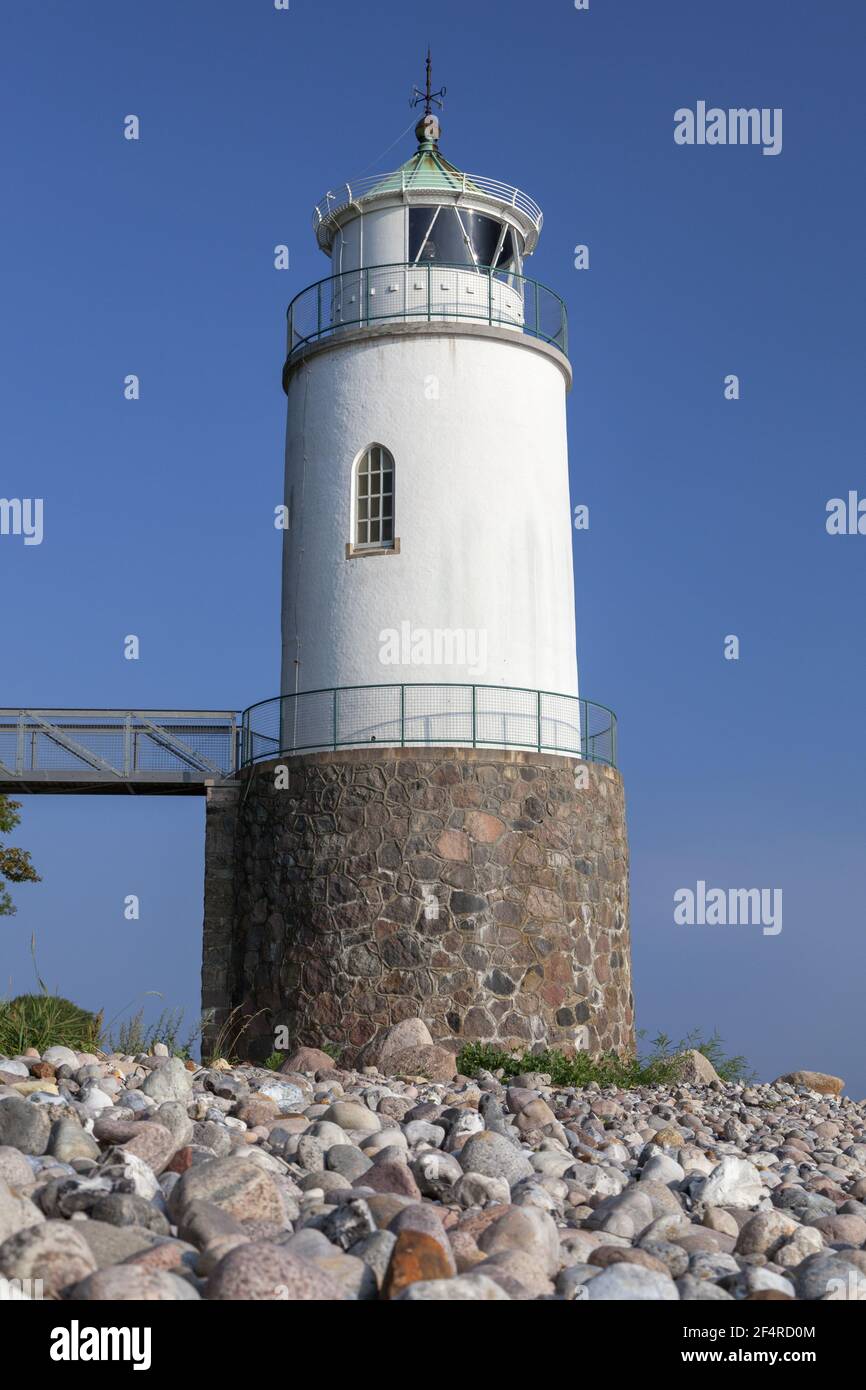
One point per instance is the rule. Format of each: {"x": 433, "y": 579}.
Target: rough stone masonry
{"x": 484, "y": 891}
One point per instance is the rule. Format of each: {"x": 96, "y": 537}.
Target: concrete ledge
{"x": 441, "y": 328}
{"x": 415, "y": 752}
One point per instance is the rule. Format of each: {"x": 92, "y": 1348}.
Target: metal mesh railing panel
{"x": 307, "y": 722}
{"x": 561, "y": 723}
{"x": 368, "y": 714}
{"x": 117, "y": 743}
{"x": 438, "y": 713}
{"x": 425, "y": 291}
{"x": 598, "y": 734}
{"x": 507, "y": 718}
{"x": 415, "y": 715}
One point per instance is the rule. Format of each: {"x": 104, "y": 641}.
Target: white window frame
{"x": 361, "y": 542}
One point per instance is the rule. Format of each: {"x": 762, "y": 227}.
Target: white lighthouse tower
{"x": 412, "y": 834}
{"x": 427, "y": 555}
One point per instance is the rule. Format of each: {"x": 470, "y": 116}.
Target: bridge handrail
{"x": 116, "y": 744}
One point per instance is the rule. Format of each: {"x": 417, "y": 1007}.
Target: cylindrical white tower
{"x": 409, "y": 841}
{"x": 427, "y": 571}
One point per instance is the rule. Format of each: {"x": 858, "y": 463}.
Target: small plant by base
{"x": 661, "y": 1065}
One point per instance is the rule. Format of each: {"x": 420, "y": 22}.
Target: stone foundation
{"x": 478, "y": 889}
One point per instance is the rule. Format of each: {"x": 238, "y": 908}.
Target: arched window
{"x": 374, "y": 500}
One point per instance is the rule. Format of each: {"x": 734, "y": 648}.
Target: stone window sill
{"x": 360, "y": 552}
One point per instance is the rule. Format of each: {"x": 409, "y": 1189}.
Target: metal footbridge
{"x": 155, "y": 752}
{"x": 142, "y": 752}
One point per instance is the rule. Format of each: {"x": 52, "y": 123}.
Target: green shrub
{"x": 659, "y": 1067}
{"x": 46, "y": 1020}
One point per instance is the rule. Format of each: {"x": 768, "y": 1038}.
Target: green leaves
{"x": 15, "y": 864}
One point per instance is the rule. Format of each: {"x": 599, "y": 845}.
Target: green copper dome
{"x": 428, "y": 170}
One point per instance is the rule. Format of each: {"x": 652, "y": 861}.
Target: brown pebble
{"x": 416, "y": 1256}
{"x": 181, "y": 1162}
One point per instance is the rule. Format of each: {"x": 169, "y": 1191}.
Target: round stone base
{"x": 484, "y": 891}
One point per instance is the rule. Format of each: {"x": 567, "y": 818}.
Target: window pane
{"x": 374, "y": 507}
{"x": 444, "y": 241}
{"x": 445, "y": 244}
{"x": 507, "y": 253}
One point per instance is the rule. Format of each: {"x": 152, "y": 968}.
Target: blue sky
{"x": 706, "y": 515}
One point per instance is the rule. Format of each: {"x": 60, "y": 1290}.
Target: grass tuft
{"x": 133, "y": 1036}
{"x": 46, "y": 1020}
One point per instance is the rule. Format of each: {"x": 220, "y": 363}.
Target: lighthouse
{"x": 430, "y": 821}
{"x": 426, "y": 482}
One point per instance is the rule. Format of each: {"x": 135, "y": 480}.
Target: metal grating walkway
{"x": 143, "y": 752}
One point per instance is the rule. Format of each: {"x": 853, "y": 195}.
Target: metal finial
{"x": 428, "y": 96}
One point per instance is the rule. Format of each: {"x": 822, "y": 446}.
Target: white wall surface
{"x": 482, "y": 513}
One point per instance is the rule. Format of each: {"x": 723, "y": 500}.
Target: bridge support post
{"x": 221, "y": 811}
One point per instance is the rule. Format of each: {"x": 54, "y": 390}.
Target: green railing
{"x": 477, "y": 716}
{"x": 427, "y": 291}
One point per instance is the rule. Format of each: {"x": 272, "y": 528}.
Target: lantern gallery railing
{"x": 411, "y": 182}
{"x": 476, "y": 716}
{"x": 426, "y": 292}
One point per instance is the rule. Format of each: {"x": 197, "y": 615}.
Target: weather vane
{"x": 429, "y": 98}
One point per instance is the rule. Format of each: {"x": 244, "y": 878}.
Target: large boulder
{"x": 473, "y": 1288}
{"x": 24, "y": 1125}
{"x": 235, "y": 1184}
{"x": 435, "y": 1063}
{"x": 814, "y": 1081}
{"x": 494, "y": 1156}
{"x": 52, "y": 1251}
{"x": 694, "y": 1069}
{"x": 61, "y": 1057}
{"x": 267, "y": 1272}
{"x": 17, "y": 1212}
{"x": 734, "y": 1182}
{"x": 171, "y": 1081}
{"x": 411, "y": 1033}
{"x": 308, "y": 1059}
{"x": 132, "y": 1284}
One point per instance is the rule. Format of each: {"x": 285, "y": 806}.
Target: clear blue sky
{"x": 707, "y": 516}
